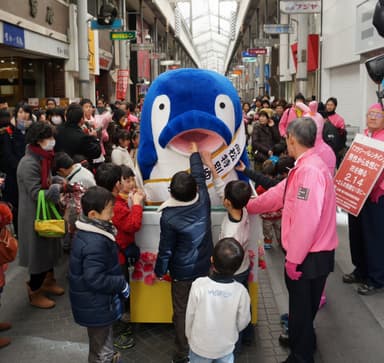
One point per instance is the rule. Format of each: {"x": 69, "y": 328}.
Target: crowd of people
{"x": 84, "y": 159}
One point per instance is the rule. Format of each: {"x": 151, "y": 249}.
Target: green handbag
{"x": 47, "y": 226}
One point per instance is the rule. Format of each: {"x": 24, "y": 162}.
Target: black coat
{"x": 12, "y": 149}
{"x": 95, "y": 277}
{"x": 71, "y": 139}
{"x": 264, "y": 138}
{"x": 186, "y": 245}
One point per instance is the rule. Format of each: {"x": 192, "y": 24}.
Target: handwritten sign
{"x": 358, "y": 173}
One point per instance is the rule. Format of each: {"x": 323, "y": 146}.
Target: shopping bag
{"x": 47, "y": 224}
{"x": 8, "y": 246}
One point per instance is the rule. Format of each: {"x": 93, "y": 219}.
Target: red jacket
{"x": 127, "y": 221}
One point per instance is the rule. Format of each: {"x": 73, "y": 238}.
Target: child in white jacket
{"x": 218, "y": 307}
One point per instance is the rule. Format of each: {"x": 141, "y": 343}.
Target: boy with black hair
{"x": 108, "y": 176}
{"x": 95, "y": 279}
{"x": 74, "y": 173}
{"x": 218, "y": 307}
{"x": 185, "y": 246}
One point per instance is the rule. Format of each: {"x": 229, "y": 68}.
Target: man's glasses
{"x": 378, "y": 115}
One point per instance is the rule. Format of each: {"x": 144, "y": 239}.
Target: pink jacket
{"x": 337, "y": 121}
{"x": 288, "y": 116}
{"x": 378, "y": 189}
{"x": 309, "y": 208}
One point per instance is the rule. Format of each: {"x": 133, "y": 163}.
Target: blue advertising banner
{"x": 13, "y": 36}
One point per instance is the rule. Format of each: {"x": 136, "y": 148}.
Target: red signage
{"x": 257, "y": 51}
{"x": 122, "y": 83}
{"x": 358, "y": 173}
{"x": 312, "y": 53}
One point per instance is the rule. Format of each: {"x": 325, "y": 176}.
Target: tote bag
{"x": 48, "y": 222}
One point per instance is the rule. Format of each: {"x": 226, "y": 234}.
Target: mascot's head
{"x": 184, "y": 106}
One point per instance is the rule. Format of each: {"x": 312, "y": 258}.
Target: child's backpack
{"x": 334, "y": 137}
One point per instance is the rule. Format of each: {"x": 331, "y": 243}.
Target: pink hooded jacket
{"x": 308, "y": 200}
{"x": 288, "y": 116}
{"x": 378, "y": 189}
{"x": 322, "y": 149}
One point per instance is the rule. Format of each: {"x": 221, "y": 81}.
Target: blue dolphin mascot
{"x": 184, "y": 106}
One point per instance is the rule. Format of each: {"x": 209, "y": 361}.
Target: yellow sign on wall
{"x": 91, "y": 51}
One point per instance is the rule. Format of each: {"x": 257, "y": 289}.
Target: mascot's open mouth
{"x": 206, "y": 140}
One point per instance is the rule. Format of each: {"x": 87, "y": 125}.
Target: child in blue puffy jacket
{"x": 95, "y": 278}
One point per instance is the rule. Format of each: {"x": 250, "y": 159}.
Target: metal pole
{"x": 261, "y": 58}
{"x": 302, "y": 74}
{"x": 82, "y": 25}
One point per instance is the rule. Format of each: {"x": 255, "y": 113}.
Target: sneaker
{"x": 368, "y": 290}
{"x": 352, "y": 278}
{"x": 124, "y": 342}
{"x": 267, "y": 246}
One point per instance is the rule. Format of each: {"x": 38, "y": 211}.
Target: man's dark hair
{"x": 299, "y": 96}
{"x": 38, "y": 131}
{"x": 228, "y": 255}
{"x": 85, "y": 101}
{"x": 107, "y": 175}
{"x": 238, "y": 193}
{"x": 96, "y": 198}
{"x": 126, "y": 172}
{"x": 74, "y": 114}
{"x": 62, "y": 160}
{"x": 50, "y": 100}
{"x": 3, "y": 99}
{"x": 304, "y": 130}
{"x": 183, "y": 186}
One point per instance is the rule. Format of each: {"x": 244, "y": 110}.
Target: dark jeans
{"x": 304, "y": 300}
{"x": 100, "y": 344}
{"x": 366, "y": 242}
{"x": 180, "y": 294}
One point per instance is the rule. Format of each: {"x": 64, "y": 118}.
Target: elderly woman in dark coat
{"x": 37, "y": 253}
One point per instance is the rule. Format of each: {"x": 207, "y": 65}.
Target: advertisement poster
{"x": 122, "y": 84}
{"x": 358, "y": 173}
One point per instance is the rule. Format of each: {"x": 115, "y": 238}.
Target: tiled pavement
{"x": 46, "y": 336}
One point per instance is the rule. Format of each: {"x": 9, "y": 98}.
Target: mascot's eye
{"x": 225, "y": 111}
{"x": 161, "y": 109}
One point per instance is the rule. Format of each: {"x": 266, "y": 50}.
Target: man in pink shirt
{"x": 309, "y": 235}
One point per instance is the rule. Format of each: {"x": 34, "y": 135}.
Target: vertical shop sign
{"x": 91, "y": 52}
{"x": 13, "y": 36}
{"x": 358, "y": 173}
{"x": 122, "y": 83}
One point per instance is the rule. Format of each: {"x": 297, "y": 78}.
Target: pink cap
{"x": 376, "y": 106}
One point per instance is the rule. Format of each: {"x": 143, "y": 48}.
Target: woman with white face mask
{"x": 23, "y": 117}
{"x": 37, "y": 253}
{"x": 56, "y": 116}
